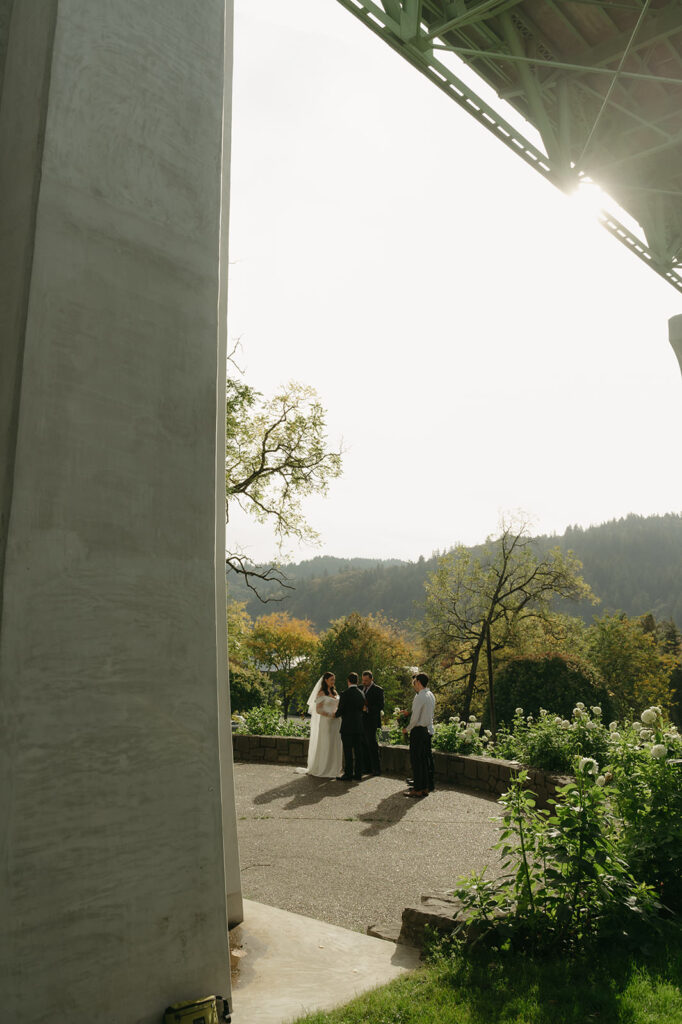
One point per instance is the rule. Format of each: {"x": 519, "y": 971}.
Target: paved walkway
{"x": 354, "y": 854}
{"x": 292, "y": 965}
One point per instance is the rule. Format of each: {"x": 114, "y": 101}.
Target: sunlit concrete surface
{"x": 354, "y": 854}
{"x": 294, "y": 965}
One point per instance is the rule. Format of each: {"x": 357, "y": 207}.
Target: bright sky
{"x": 478, "y": 341}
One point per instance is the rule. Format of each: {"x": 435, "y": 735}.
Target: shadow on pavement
{"x": 388, "y": 812}
{"x": 303, "y": 791}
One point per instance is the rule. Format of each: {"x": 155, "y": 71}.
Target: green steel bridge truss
{"x": 600, "y": 80}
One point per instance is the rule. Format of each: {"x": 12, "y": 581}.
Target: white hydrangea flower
{"x": 487, "y": 733}
{"x": 591, "y": 725}
{"x": 613, "y": 726}
{"x": 658, "y": 751}
{"x": 519, "y": 711}
{"x": 543, "y": 712}
{"x": 452, "y": 719}
{"x": 468, "y": 734}
{"x": 645, "y": 735}
{"x": 615, "y": 736}
{"x": 649, "y": 716}
{"x": 557, "y": 720}
{"x": 596, "y": 710}
{"x": 601, "y": 781}
{"x": 588, "y": 765}
{"x": 565, "y": 724}
{"x": 580, "y": 705}
{"x": 637, "y": 726}
{"x": 472, "y": 718}
{"x": 578, "y": 713}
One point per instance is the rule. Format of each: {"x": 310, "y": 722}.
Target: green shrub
{"x": 564, "y": 883}
{"x": 554, "y": 682}
{"x": 268, "y": 721}
{"x": 552, "y": 742}
{"x": 648, "y": 799}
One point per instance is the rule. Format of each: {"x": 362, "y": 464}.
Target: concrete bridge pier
{"x": 118, "y": 835}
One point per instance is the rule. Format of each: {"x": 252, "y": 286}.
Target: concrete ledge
{"x": 486, "y": 774}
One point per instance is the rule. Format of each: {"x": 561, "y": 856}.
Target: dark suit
{"x": 371, "y": 720}
{"x": 351, "y": 703}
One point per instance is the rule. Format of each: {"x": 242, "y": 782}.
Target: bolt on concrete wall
{"x": 117, "y": 800}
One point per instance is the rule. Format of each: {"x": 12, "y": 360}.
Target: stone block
{"x": 267, "y": 741}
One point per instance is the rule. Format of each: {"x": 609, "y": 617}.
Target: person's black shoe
{"x": 357, "y": 778}
{"x": 344, "y": 778}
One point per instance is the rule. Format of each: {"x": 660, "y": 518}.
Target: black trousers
{"x": 421, "y": 758}
{"x": 371, "y": 758}
{"x": 352, "y": 754}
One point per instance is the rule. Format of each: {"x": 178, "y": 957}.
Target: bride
{"x": 325, "y": 752}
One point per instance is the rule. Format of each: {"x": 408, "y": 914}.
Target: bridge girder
{"x": 600, "y": 80}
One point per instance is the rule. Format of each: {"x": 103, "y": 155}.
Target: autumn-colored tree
{"x": 285, "y": 648}
{"x": 358, "y": 642}
{"x": 249, "y": 687}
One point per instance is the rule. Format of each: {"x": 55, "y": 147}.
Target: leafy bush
{"x": 564, "y": 882}
{"x": 268, "y": 721}
{"x": 648, "y": 798}
{"x": 458, "y": 737}
{"x": 547, "y": 682}
{"x": 552, "y": 742}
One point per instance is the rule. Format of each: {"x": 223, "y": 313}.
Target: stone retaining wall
{"x": 486, "y": 774}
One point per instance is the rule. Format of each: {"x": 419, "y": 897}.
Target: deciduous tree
{"x": 285, "y": 647}
{"x": 276, "y": 454}
{"x": 475, "y": 606}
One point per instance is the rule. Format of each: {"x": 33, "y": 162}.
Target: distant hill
{"x": 633, "y": 564}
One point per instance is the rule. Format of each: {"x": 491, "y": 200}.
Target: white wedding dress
{"x": 325, "y": 752}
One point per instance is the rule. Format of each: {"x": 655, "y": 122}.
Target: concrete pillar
{"x": 675, "y": 335}
{"x": 116, "y": 798}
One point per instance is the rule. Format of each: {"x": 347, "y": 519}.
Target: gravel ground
{"x": 354, "y": 854}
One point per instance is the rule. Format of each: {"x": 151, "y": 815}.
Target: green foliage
{"x": 248, "y": 686}
{"x": 552, "y": 742}
{"x": 276, "y": 454}
{"x": 360, "y": 642}
{"x": 648, "y": 798}
{"x": 458, "y": 737}
{"x": 552, "y": 681}
{"x": 268, "y": 721}
{"x": 564, "y": 883}
{"x": 627, "y": 655}
{"x": 477, "y": 605}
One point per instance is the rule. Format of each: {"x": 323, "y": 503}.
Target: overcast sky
{"x": 478, "y": 341}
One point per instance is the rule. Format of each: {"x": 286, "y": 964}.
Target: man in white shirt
{"x": 420, "y": 730}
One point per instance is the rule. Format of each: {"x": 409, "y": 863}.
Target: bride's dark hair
{"x": 329, "y": 692}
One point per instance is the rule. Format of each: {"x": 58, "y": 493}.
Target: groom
{"x": 374, "y": 705}
{"x": 350, "y": 711}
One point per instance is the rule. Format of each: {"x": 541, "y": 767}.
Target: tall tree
{"x": 475, "y": 606}
{"x": 285, "y": 647}
{"x": 636, "y": 667}
{"x": 358, "y": 642}
{"x": 276, "y": 454}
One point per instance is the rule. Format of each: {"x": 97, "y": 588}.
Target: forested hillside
{"x": 633, "y": 565}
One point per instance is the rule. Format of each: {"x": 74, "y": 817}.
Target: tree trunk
{"x": 471, "y": 680}
{"x": 491, "y": 694}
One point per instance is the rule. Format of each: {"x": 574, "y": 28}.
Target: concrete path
{"x": 292, "y": 965}
{"x": 354, "y": 854}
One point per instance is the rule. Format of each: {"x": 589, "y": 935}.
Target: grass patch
{"x": 619, "y": 988}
